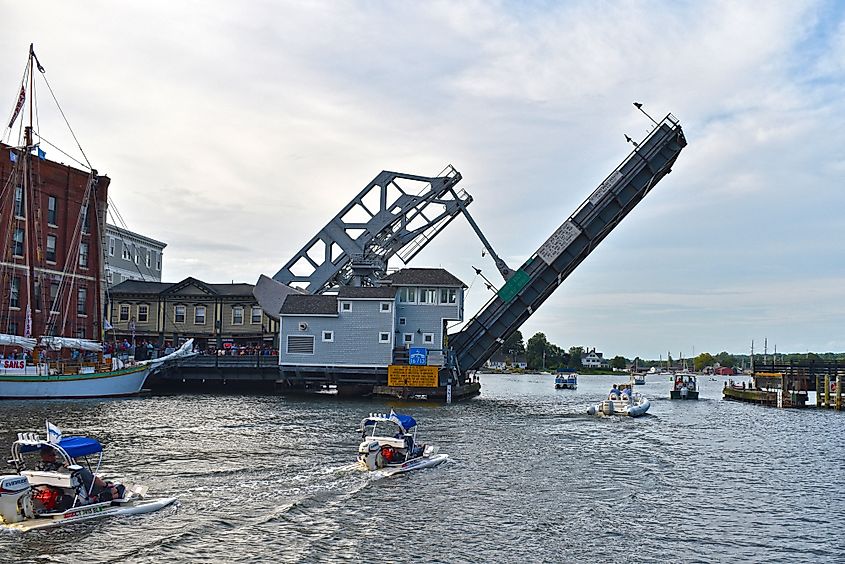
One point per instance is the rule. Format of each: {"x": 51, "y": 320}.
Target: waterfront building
{"x": 50, "y": 258}
{"x": 216, "y": 316}
{"x": 132, "y": 256}
{"x": 593, "y": 359}
{"x": 369, "y": 328}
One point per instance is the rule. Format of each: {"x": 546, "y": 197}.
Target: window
{"x": 17, "y": 242}
{"x": 83, "y": 255}
{"x": 158, "y": 261}
{"x": 109, "y": 276}
{"x": 127, "y": 254}
{"x": 13, "y": 327}
{"x": 256, "y": 315}
{"x": 428, "y": 295}
{"x": 54, "y": 296}
{"x": 15, "y": 294}
{"x": 199, "y": 315}
{"x": 147, "y": 261}
{"x": 82, "y": 301}
{"x": 300, "y": 344}
{"x": 328, "y": 336}
{"x": 179, "y": 313}
{"x": 428, "y": 338}
{"x": 238, "y": 315}
{"x": 85, "y": 223}
{"x": 80, "y": 332}
{"x": 111, "y": 246}
{"x": 448, "y": 295}
{"x": 51, "y": 248}
{"x": 37, "y": 296}
{"x": 124, "y": 312}
{"x": 407, "y": 295}
{"x": 52, "y": 210}
{"x": 137, "y": 254}
{"x": 19, "y": 201}
{"x": 402, "y": 321}
{"x": 345, "y": 306}
{"x": 384, "y": 337}
{"x": 408, "y": 338}
{"x": 143, "y": 313}
{"x": 385, "y": 307}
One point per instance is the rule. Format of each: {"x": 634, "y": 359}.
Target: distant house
{"x": 520, "y": 362}
{"x": 497, "y": 362}
{"x": 593, "y": 359}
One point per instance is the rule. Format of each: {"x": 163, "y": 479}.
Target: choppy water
{"x": 531, "y": 478}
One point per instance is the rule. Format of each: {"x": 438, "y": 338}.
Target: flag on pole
{"x": 54, "y": 434}
{"x": 41, "y": 154}
{"x": 27, "y": 327}
{"x": 12, "y": 156}
{"x": 106, "y": 325}
{"x": 21, "y": 99}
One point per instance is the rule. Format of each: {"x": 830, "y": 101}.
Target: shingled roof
{"x": 423, "y": 277}
{"x": 150, "y": 287}
{"x": 368, "y": 292}
{"x": 306, "y": 304}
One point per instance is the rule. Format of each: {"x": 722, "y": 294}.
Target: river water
{"x": 531, "y": 478}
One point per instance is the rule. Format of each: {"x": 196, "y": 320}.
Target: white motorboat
{"x": 54, "y": 493}
{"x": 389, "y": 445}
{"x": 621, "y": 400}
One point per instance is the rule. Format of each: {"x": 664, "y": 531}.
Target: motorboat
{"x": 389, "y": 444}
{"x": 62, "y": 488}
{"x": 639, "y": 379}
{"x": 621, "y": 400}
{"x": 566, "y": 381}
{"x": 685, "y": 387}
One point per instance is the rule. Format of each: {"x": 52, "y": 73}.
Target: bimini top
{"x": 73, "y": 446}
{"x": 406, "y": 422}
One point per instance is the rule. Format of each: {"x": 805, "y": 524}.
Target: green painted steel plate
{"x": 513, "y": 286}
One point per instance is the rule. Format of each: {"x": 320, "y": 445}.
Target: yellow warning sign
{"x": 413, "y": 376}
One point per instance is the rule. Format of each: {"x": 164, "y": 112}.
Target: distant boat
{"x": 566, "y": 381}
{"x": 639, "y": 379}
{"x": 685, "y": 387}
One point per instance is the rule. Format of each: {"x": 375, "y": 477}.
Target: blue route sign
{"x": 418, "y": 356}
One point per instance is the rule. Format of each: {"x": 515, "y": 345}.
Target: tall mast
{"x": 29, "y": 207}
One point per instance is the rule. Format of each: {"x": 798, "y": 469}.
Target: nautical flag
{"x": 41, "y": 154}
{"x": 54, "y": 434}
{"x": 12, "y": 156}
{"x": 27, "y": 327}
{"x": 21, "y": 98}
{"x": 106, "y": 325}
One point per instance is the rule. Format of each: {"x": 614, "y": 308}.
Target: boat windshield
{"x": 383, "y": 429}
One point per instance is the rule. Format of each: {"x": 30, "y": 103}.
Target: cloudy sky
{"x": 234, "y": 131}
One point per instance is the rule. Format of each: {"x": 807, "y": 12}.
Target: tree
{"x": 703, "y": 360}
{"x": 514, "y": 345}
{"x": 619, "y": 362}
{"x": 725, "y": 359}
{"x": 575, "y": 357}
{"x": 537, "y": 346}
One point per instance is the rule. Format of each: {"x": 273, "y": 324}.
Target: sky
{"x": 234, "y": 131}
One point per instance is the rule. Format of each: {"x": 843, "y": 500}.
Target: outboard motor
{"x": 608, "y": 408}
{"x": 15, "y": 499}
{"x": 369, "y": 453}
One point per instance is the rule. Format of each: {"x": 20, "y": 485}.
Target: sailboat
{"x": 44, "y": 291}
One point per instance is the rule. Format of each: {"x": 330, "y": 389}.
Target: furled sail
{"x": 58, "y": 343}
{"x": 17, "y": 341}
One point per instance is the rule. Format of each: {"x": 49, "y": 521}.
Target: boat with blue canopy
{"x": 566, "y": 380}
{"x": 389, "y": 444}
{"x": 56, "y": 484}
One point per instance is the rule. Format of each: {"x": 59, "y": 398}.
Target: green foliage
{"x": 575, "y": 357}
{"x": 702, "y": 360}
{"x": 514, "y": 345}
{"x": 619, "y": 362}
{"x": 534, "y": 350}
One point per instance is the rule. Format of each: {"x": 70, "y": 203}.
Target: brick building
{"x": 51, "y": 256}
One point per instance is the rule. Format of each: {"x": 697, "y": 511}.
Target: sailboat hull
{"x": 123, "y": 382}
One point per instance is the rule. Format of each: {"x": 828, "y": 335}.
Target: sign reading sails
{"x": 412, "y": 376}
{"x": 10, "y": 365}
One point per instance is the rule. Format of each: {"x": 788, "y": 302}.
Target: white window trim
{"x": 345, "y": 306}
{"x": 241, "y": 308}
{"x": 389, "y": 308}
{"x": 204, "y": 314}
{"x": 147, "y": 320}
{"x": 252, "y": 315}
{"x": 384, "y": 337}
{"x": 330, "y": 334}
{"x": 426, "y": 291}
{"x": 416, "y": 295}
{"x": 120, "y": 312}
{"x": 184, "y": 317}
{"x": 405, "y": 340}
{"x": 403, "y": 321}
{"x": 111, "y": 246}
{"x": 431, "y": 342}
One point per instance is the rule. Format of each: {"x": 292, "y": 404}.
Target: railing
{"x": 244, "y": 361}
